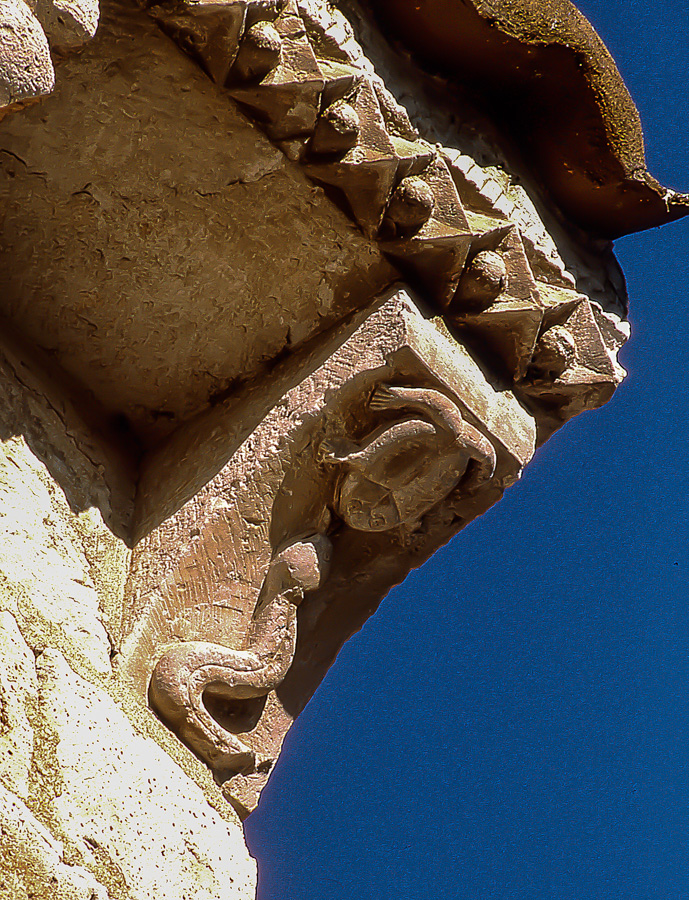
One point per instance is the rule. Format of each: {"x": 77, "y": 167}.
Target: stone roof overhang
{"x": 552, "y": 84}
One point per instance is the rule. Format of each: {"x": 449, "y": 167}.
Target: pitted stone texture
{"x": 17, "y": 698}
{"x": 68, "y": 23}
{"x": 45, "y": 578}
{"x": 126, "y": 805}
{"x": 33, "y": 867}
{"x": 62, "y": 569}
{"x": 26, "y": 70}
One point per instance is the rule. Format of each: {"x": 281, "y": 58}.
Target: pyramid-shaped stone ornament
{"x": 207, "y": 31}
{"x": 498, "y": 300}
{"x": 425, "y": 228}
{"x": 413, "y": 156}
{"x": 338, "y": 126}
{"x": 341, "y": 80}
{"x": 366, "y": 172}
{"x": 573, "y": 366}
{"x": 287, "y": 99}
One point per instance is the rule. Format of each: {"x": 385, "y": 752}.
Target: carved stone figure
{"x": 281, "y": 314}
{"x": 395, "y": 476}
{"x": 401, "y": 470}
{"x": 186, "y": 672}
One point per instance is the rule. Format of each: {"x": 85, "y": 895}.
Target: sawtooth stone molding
{"x": 282, "y": 312}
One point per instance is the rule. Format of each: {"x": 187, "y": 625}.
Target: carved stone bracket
{"x": 274, "y": 338}
{"x": 388, "y": 438}
{"x": 450, "y": 231}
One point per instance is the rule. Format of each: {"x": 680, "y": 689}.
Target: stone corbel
{"x": 269, "y": 528}
{"x": 273, "y": 476}
{"x": 450, "y": 231}
{"x": 359, "y": 460}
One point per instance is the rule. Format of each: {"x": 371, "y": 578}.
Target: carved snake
{"x": 186, "y": 670}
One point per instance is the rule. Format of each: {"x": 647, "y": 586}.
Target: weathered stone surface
{"x": 208, "y": 32}
{"x": 33, "y": 865}
{"x": 208, "y": 614}
{"x": 126, "y": 807}
{"x": 287, "y": 99}
{"x": 179, "y": 252}
{"x": 493, "y": 184}
{"x": 17, "y": 700}
{"x": 552, "y": 84}
{"x": 67, "y": 749}
{"x": 62, "y": 570}
{"x": 68, "y": 24}
{"x": 46, "y": 580}
{"x": 26, "y": 70}
{"x": 436, "y": 251}
{"x": 282, "y": 396}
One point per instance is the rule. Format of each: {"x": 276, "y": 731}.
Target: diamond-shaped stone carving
{"x": 414, "y": 156}
{"x": 287, "y": 99}
{"x": 340, "y": 80}
{"x": 208, "y": 31}
{"x": 498, "y": 300}
{"x": 366, "y": 173}
{"x": 573, "y": 366}
{"x": 432, "y": 253}
{"x": 338, "y": 125}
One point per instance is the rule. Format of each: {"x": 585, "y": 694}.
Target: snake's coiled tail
{"x": 186, "y": 670}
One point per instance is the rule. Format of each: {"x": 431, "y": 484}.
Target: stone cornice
{"x": 550, "y": 81}
{"x": 298, "y": 72}
{"x": 268, "y": 525}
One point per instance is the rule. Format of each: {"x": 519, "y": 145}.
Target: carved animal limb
{"x": 400, "y": 471}
{"x": 185, "y": 671}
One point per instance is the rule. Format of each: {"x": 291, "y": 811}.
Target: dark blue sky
{"x": 542, "y": 751}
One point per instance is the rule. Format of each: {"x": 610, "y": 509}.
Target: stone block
{"x": 126, "y": 807}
